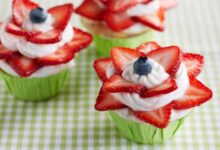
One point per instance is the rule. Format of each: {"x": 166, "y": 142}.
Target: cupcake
{"x": 37, "y": 49}
{"x": 149, "y": 91}
{"x": 125, "y": 23}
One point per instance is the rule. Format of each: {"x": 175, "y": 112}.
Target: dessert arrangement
{"x": 149, "y": 90}
{"x": 123, "y": 23}
{"x": 37, "y": 49}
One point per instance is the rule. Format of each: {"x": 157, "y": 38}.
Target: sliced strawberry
{"x": 155, "y": 20}
{"x": 49, "y": 37}
{"x": 100, "y": 65}
{"x": 147, "y": 47}
{"x": 20, "y": 9}
{"x": 195, "y": 95}
{"x": 5, "y": 52}
{"x": 193, "y": 63}
{"x": 117, "y": 21}
{"x": 23, "y": 66}
{"x": 16, "y": 30}
{"x": 166, "y": 87}
{"x": 91, "y": 9}
{"x": 66, "y": 53}
{"x": 123, "y": 5}
{"x": 122, "y": 56}
{"x": 168, "y": 57}
{"x": 106, "y": 101}
{"x": 168, "y": 4}
{"x": 159, "y": 117}
{"x": 117, "y": 84}
{"x": 61, "y": 15}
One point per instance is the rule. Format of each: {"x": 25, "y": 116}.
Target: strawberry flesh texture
{"x": 5, "y": 52}
{"x": 195, "y": 95}
{"x": 122, "y": 56}
{"x": 194, "y": 63}
{"x": 155, "y": 20}
{"x": 117, "y": 84}
{"x": 22, "y": 65}
{"x": 159, "y": 117}
{"x": 147, "y": 47}
{"x": 168, "y": 57}
{"x": 166, "y": 87}
{"x": 117, "y": 21}
{"x": 168, "y": 4}
{"x": 91, "y": 10}
{"x": 106, "y": 101}
{"x": 100, "y": 66}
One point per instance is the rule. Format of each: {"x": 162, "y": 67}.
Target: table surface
{"x": 69, "y": 121}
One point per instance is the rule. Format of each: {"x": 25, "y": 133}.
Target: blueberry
{"x": 38, "y": 15}
{"x": 142, "y": 66}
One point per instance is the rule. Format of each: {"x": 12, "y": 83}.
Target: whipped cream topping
{"x": 155, "y": 78}
{"x": 33, "y": 50}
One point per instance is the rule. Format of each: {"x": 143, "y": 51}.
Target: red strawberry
{"x": 155, "y": 21}
{"x": 16, "y": 30}
{"x": 91, "y": 9}
{"x": 122, "y": 56}
{"x": 23, "y": 66}
{"x": 168, "y": 86}
{"x": 20, "y": 9}
{"x": 159, "y": 117}
{"x": 168, "y": 57}
{"x": 193, "y": 63}
{"x": 195, "y": 95}
{"x": 61, "y": 15}
{"x": 100, "y": 65}
{"x": 107, "y": 101}
{"x": 50, "y": 37}
{"x": 66, "y": 53}
{"x": 117, "y": 84}
{"x": 5, "y": 53}
{"x": 123, "y": 5}
{"x": 117, "y": 21}
{"x": 147, "y": 47}
{"x": 168, "y": 4}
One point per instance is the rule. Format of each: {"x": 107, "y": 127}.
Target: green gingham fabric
{"x": 69, "y": 120}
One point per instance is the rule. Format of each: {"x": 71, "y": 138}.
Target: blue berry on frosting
{"x": 142, "y": 66}
{"x": 38, "y": 15}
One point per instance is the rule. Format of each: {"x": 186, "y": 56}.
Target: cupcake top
{"x": 128, "y": 16}
{"x": 34, "y": 38}
{"x": 151, "y": 84}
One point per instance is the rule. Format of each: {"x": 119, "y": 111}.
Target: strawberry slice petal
{"x": 168, "y": 57}
{"x": 122, "y": 56}
{"x": 117, "y": 21}
{"x": 159, "y": 117}
{"x": 49, "y": 37}
{"x": 117, "y": 84}
{"x": 168, "y": 4}
{"x": 166, "y": 87}
{"x": 61, "y": 15}
{"x": 123, "y": 5}
{"x": 195, "y": 95}
{"x": 91, "y": 9}
{"x": 147, "y": 47}
{"x": 100, "y": 66}
{"x": 194, "y": 63}
{"x": 155, "y": 21}
{"x": 20, "y": 9}
{"x": 23, "y": 66}
{"x": 5, "y": 52}
{"x": 106, "y": 101}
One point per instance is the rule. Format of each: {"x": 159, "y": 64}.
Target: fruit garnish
{"x": 38, "y": 15}
{"x": 147, "y": 47}
{"x": 142, "y": 66}
{"x": 5, "y": 52}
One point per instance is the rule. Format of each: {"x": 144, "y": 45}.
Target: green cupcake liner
{"x": 35, "y": 89}
{"x": 145, "y": 133}
{"x": 105, "y": 44}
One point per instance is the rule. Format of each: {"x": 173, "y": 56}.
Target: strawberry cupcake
{"x": 123, "y": 22}
{"x": 37, "y": 49}
{"x": 148, "y": 91}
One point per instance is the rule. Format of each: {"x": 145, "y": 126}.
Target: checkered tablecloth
{"x": 69, "y": 121}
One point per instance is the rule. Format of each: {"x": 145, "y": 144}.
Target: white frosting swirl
{"x": 157, "y": 76}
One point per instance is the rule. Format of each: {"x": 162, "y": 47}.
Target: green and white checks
{"x": 69, "y": 121}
